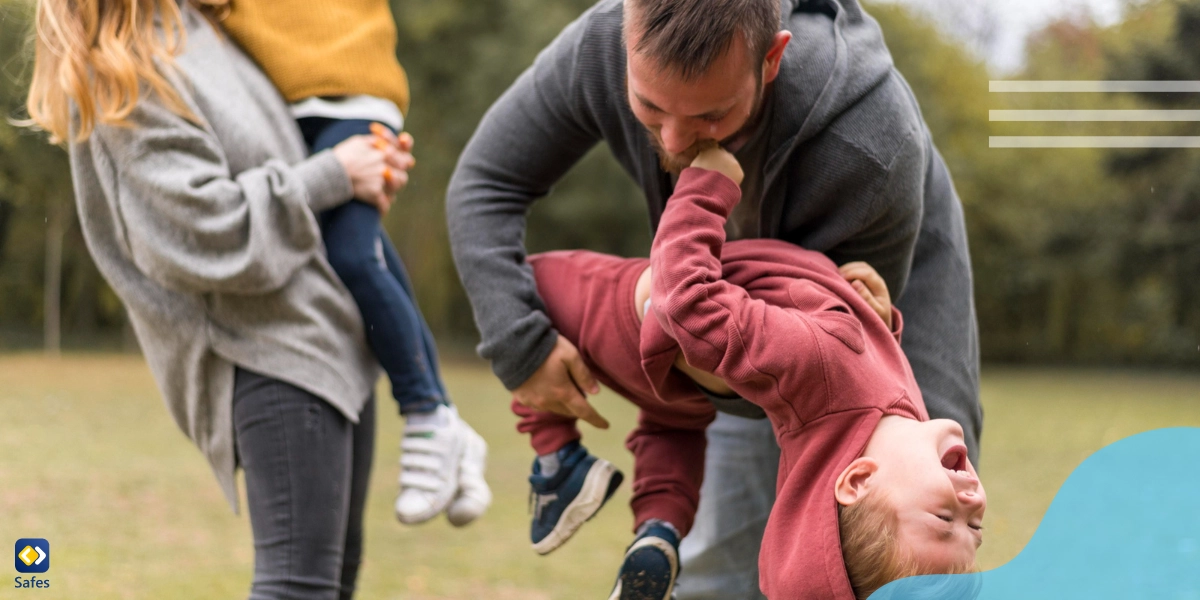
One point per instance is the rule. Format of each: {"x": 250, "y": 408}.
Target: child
{"x": 869, "y": 489}
{"x": 334, "y": 60}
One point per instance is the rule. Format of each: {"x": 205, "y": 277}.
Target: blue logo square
{"x": 32, "y": 555}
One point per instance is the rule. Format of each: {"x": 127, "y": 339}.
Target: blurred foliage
{"x": 35, "y": 181}
{"x": 1080, "y": 255}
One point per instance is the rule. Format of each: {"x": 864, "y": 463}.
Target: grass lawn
{"x": 90, "y": 460}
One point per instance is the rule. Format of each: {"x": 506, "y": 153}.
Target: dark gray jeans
{"x": 307, "y": 468}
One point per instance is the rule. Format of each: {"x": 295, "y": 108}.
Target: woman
{"x": 196, "y": 202}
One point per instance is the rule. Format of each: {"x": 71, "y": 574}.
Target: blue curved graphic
{"x": 1124, "y": 526}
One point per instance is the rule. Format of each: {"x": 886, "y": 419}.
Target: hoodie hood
{"x": 837, "y": 55}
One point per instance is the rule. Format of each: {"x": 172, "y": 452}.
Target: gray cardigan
{"x": 850, "y": 171}
{"x": 206, "y": 232}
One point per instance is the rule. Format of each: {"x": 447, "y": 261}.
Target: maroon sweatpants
{"x": 589, "y": 298}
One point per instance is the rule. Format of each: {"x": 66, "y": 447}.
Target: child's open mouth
{"x": 955, "y": 459}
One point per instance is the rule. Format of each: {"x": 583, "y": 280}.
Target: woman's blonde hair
{"x": 98, "y": 54}
{"x": 870, "y": 549}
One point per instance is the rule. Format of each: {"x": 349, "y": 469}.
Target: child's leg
{"x": 590, "y": 298}
{"x": 396, "y": 332}
{"x": 668, "y": 469}
{"x": 548, "y": 432}
{"x": 443, "y": 458}
{"x": 570, "y": 485}
{"x": 396, "y": 267}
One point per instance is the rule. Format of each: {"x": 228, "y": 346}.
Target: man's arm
{"x": 525, "y": 143}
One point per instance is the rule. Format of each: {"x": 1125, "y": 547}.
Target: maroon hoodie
{"x": 801, "y": 344}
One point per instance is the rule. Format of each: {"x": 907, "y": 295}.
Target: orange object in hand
{"x": 387, "y": 175}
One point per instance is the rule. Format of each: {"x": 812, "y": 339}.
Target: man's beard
{"x": 676, "y": 163}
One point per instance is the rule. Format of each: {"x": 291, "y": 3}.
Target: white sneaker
{"x": 474, "y": 496}
{"x": 429, "y": 466}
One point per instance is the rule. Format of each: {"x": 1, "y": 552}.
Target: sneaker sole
{"x": 601, "y": 481}
{"x": 666, "y": 548}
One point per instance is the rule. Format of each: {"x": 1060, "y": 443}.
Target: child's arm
{"x": 761, "y": 350}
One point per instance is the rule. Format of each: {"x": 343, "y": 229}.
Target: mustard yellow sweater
{"x": 322, "y": 48}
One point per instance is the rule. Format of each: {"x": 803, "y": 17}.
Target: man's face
{"x": 680, "y": 116}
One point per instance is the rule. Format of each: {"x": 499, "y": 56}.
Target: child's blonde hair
{"x": 870, "y": 549}
{"x": 98, "y": 54}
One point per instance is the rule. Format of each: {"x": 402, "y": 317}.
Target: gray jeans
{"x": 307, "y": 468}
{"x": 720, "y": 555}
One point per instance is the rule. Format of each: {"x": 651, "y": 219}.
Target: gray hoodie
{"x": 206, "y": 232}
{"x": 850, "y": 171}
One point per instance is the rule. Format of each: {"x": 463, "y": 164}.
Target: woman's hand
{"x": 866, "y": 281}
{"x": 399, "y": 148}
{"x": 377, "y": 167}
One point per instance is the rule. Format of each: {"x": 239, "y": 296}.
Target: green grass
{"x": 90, "y": 459}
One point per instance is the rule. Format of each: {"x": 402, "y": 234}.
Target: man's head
{"x": 912, "y": 504}
{"x": 697, "y": 69}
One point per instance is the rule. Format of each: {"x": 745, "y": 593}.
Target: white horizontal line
{"x": 1093, "y": 86}
{"x": 1094, "y": 115}
{"x": 1093, "y": 141}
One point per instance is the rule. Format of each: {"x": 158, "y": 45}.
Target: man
{"x": 837, "y": 160}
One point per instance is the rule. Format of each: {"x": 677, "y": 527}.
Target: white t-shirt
{"x": 369, "y": 108}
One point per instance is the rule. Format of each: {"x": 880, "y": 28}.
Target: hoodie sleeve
{"x": 194, "y": 226}
{"x": 718, "y": 326}
{"x": 525, "y": 143}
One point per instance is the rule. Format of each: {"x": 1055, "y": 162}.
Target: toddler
{"x": 334, "y": 61}
{"x": 869, "y": 489}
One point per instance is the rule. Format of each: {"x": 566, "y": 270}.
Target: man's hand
{"x": 867, "y": 282}
{"x": 716, "y": 158}
{"x": 559, "y": 386}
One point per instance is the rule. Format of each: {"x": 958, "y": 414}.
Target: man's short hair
{"x": 687, "y": 36}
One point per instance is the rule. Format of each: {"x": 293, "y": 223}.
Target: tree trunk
{"x": 55, "y": 229}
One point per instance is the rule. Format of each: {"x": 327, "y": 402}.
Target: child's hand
{"x": 366, "y": 165}
{"x": 866, "y": 281}
{"x": 716, "y": 158}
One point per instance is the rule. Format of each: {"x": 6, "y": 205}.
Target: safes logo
{"x": 33, "y": 555}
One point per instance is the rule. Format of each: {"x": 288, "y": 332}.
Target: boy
{"x": 869, "y": 489}
{"x": 335, "y": 62}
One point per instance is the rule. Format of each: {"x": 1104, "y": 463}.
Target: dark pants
{"x": 363, "y": 257}
{"x": 307, "y": 468}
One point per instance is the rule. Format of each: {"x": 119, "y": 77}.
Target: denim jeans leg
{"x": 393, "y": 326}
{"x": 296, "y": 451}
{"x": 352, "y": 234}
{"x": 720, "y": 555}
{"x": 396, "y": 267}
{"x": 363, "y": 450}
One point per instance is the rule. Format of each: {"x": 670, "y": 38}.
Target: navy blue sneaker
{"x": 562, "y": 503}
{"x": 651, "y": 565}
